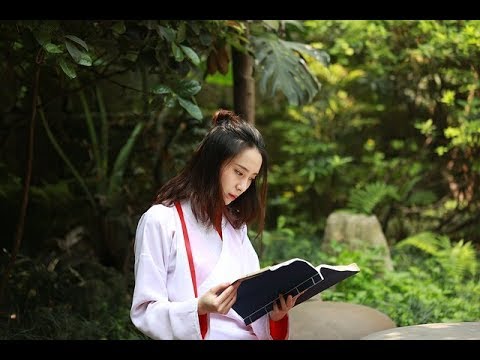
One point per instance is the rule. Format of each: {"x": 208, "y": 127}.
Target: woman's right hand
{"x": 218, "y": 299}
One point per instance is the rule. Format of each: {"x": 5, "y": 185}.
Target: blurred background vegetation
{"x": 374, "y": 117}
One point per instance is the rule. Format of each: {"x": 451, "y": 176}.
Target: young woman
{"x": 192, "y": 243}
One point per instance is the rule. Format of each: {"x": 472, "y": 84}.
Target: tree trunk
{"x": 243, "y": 85}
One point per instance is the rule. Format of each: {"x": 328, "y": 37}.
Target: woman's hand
{"x": 218, "y": 299}
{"x": 282, "y": 306}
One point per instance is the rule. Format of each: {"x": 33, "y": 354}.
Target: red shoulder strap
{"x": 202, "y": 318}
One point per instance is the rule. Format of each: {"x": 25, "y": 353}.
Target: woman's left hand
{"x": 281, "y": 307}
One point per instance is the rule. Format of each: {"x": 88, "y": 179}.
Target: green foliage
{"x": 121, "y": 162}
{"x": 171, "y": 51}
{"x": 458, "y": 261}
{"x": 60, "y": 323}
{"x": 306, "y": 173}
{"x": 465, "y": 136}
{"x": 282, "y": 244}
{"x": 60, "y": 46}
{"x": 182, "y": 93}
{"x": 67, "y": 300}
{"x": 398, "y": 99}
{"x": 56, "y": 202}
{"x": 282, "y": 69}
{"x": 220, "y": 79}
{"x": 422, "y": 198}
{"x": 107, "y": 186}
{"x": 420, "y": 290}
{"x": 364, "y": 200}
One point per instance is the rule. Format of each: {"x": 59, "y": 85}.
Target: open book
{"x": 258, "y": 291}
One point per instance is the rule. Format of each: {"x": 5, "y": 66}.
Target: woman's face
{"x": 237, "y": 175}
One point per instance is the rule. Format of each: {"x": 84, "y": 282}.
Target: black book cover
{"x": 258, "y": 291}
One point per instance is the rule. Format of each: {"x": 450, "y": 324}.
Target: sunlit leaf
{"x": 67, "y": 69}
{"x": 78, "y": 56}
{"x": 187, "y": 88}
{"x": 191, "y": 108}
{"x": 167, "y": 33}
{"x": 177, "y": 52}
{"x": 161, "y": 89}
{"x": 191, "y": 54}
{"x": 78, "y": 41}
{"x": 52, "y": 48}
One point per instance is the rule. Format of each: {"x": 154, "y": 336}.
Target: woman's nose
{"x": 242, "y": 186}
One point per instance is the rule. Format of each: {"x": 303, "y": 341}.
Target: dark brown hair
{"x": 199, "y": 181}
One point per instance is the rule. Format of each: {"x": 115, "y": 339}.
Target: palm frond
{"x": 283, "y": 69}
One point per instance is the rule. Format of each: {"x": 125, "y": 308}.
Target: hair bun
{"x": 222, "y": 117}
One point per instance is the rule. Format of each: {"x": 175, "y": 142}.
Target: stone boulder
{"x": 325, "y": 320}
{"x": 436, "y": 331}
{"x": 357, "y": 231}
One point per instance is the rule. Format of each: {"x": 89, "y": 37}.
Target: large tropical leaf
{"x": 283, "y": 69}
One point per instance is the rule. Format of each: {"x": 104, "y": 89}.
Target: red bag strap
{"x": 202, "y": 318}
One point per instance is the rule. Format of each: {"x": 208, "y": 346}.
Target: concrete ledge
{"x": 327, "y": 320}
{"x": 436, "y": 331}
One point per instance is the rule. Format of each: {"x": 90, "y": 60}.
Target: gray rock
{"x": 435, "y": 331}
{"x": 358, "y": 231}
{"x": 326, "y": 320}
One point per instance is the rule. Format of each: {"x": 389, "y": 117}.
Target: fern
{"x": 457, "y": 260}
{"x": 462, "y": 259}
{"x": 428, "y": 242}
{"x": 364, "y": 200}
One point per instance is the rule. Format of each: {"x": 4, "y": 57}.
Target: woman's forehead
{"x": 249, "y": 159}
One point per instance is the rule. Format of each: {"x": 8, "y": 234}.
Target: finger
{"x": 218, "y": 289}
{"x": 297, "y": 296}
{"x": 230, "y": 294}
{"x": 294, "y": 300}
{"x": 282, "y": 302}
{"x": 230, "y": 304}
{"x": 289, "y": 301}
{"x": 275, "y": 306}
{"x": 227, "y": 293}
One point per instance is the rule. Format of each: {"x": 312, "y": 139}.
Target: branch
{"x": 83, "y": 86}
{"x": 28, "y": 176}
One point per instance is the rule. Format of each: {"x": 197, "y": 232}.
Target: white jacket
{"x": 163, "y": 304}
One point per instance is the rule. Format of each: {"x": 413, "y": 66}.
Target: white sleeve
{"x": 152, "y": 312}
{"x": 261, "y": 327}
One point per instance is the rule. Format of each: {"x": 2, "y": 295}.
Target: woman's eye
{"x": 238, "y": 172}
